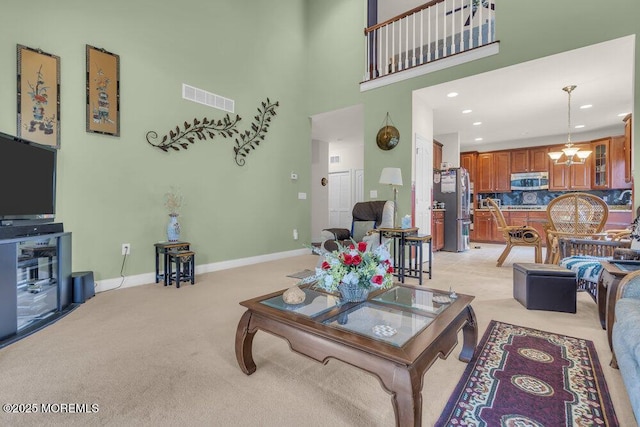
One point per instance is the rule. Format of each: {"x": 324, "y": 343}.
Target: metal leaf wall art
{"x": 199, "y": 130}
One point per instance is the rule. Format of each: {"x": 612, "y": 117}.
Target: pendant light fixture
{"x": 573, "y": 155}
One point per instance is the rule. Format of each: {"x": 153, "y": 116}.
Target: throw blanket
{"x": 587, "y": 269}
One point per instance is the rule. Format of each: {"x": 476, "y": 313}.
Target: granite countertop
{"x": 539, "y": 208}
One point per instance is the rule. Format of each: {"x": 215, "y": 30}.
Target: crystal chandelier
{"x": 573, "y": 155}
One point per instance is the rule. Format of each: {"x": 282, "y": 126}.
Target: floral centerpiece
{"x": 354, "y": 270}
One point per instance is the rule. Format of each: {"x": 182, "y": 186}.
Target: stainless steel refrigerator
{"x": 451, "y": 187}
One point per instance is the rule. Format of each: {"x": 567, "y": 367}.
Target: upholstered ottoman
{"x": 544, "y": 287}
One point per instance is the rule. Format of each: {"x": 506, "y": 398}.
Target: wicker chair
{"x": 575, "y": 215}
{"x": 515, "y": 235}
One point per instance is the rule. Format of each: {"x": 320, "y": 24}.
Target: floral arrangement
{"x": 354, "y": 264}
{"x": 173, "y": 201}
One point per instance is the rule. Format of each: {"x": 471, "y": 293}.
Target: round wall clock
{"x": 388, "y": 137}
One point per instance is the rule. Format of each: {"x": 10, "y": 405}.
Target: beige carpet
{"x": 151, "y": 355}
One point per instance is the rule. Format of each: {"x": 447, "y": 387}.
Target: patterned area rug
{"x": 524, "y": 377}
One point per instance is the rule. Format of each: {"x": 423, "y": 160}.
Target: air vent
{"x": 207, "y": 98}
{"x": 334, "y": 159}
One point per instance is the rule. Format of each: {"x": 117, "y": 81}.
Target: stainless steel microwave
{"x": 530, "y": 181}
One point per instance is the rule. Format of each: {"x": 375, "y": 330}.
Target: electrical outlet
{"x": 126, "y": 248}
{"x": 295, "y": 234}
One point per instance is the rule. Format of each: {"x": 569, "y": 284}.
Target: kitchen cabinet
{"x": 529, "y": 160}
{"x": 618, "y": 220}
{"x": 437, "y": 230}
{"x": 574, "y": 177}
{"x": 608, "y": 163}
{"x": 627, "y": 148}
{"x": 601, "y": 174}
{"x": 493, "y": 172}
{"x": 437, "y": 154}
{"x": 485, "y": 227}
{"x": 468, "y": 161}
{"x": 538, "y": 220}
{"x": 618, "y": 163}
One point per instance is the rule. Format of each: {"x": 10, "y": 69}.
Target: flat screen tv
{"x": 28, "y": 180}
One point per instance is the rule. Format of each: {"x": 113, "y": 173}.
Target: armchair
{"x": 367, "y": 216}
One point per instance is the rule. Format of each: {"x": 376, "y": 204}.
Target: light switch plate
{"x": 373, "y": 194}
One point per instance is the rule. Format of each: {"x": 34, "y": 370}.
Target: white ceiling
{"x": 521, "y": 105}
{"x": 526, "y": 103}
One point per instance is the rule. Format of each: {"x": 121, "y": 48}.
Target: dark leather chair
{"x": 367, "y": 216}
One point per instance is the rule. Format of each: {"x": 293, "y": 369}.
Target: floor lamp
{"x": 393, "y": 177}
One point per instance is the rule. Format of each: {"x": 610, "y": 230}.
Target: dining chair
{"x": 575, "y": 215}
{"x": 515, "y": 235}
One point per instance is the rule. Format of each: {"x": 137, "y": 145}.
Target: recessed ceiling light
{"x": 477, "y": 123}
{"x": 478, "y": 139}
{"x": 466, "y": 111}
{"x": 585, "y": 106}
{"x": 579, "y": 126}
{"x": 452, "y": 94}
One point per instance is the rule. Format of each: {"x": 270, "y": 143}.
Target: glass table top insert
{"x": 419, "y": 299}
{"x": 314, "y": 304}
{"x": 382, "y": 323}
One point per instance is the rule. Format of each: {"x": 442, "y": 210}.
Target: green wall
{"x": 526, "y": 31}
{"x": 110, "y": 189}
{"x": 308, "y": 55}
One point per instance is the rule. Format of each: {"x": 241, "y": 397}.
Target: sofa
{"x": 626, "y": 337}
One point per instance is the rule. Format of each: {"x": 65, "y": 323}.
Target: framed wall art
{"x": 103, "y": 91}
{"x": 38, "y": 96}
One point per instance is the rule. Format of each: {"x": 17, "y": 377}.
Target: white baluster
{"x": 481, "y": 35}
{"x": 461, "y": 48}
{"x": 366, "y": 55}
{"x": 490, "y": 24}
{"x": 380, "y": 63}
{"x": 399, "y": 62}
{"x": 393, "y": 47}
{"x": 421, "y": 36}
{"x": 413, "y": 42}
{"x": 470, "y": 25}
{"x": 428, "y": 35}
{"x": 386, "y": 54}
{"x": 437, "y": 33}
{"x": 406, "y": 43}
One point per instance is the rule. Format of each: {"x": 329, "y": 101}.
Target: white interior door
{"x": 424, "y": 184}
{"x": 340, "y": 201}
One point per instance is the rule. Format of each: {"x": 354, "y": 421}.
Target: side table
{"x": 399, "y": 236}
{"x": 163, "y": 248}
{"x": 613, "y": 271}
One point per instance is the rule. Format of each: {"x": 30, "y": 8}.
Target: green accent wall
{"x": 306, "y": 54}
{"x": 110, "y": 190}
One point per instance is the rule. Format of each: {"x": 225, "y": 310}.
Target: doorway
{"x": 337, "y": 139}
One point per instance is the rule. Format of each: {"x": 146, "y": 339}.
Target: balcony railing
{"x": 433, "y": 31}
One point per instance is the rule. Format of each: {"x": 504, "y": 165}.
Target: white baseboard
{"x": 146, "y": 278}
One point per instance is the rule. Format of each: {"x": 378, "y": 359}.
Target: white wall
{"x": 450, "y": 148}
{"x": 351, "y": 156}
{"x": 319, "y": 193}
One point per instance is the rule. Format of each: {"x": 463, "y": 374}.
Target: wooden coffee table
{"x": 395, "y": 335}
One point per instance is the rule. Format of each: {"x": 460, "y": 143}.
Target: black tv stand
{"x": 26, "y": 230}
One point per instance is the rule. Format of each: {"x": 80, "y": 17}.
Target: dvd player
{"x": 13, "y": 231}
